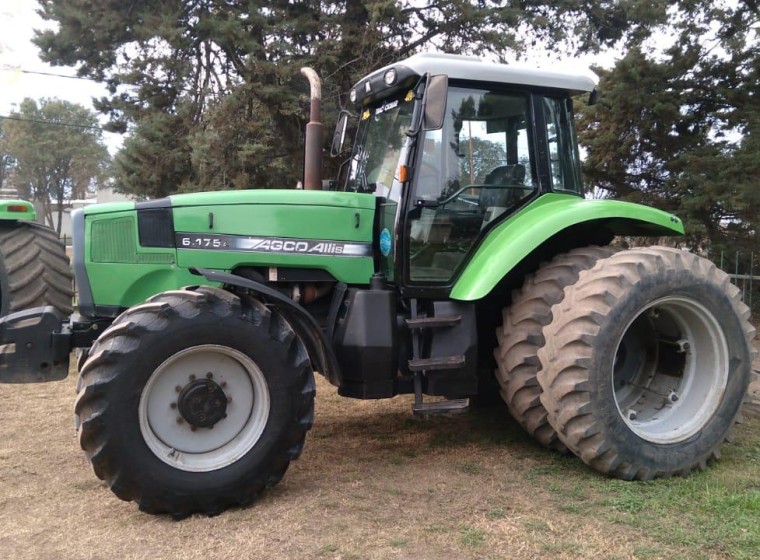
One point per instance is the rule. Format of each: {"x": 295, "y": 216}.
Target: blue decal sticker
{"x": 385, "y": 242}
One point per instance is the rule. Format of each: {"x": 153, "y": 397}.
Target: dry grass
{"x": 373, "y": 482}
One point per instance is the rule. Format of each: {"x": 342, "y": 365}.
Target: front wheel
{"x": 647, "y": 362}
{"x": 195, "y": 402}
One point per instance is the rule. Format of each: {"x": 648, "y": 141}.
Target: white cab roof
{"x": 473, "y": 68}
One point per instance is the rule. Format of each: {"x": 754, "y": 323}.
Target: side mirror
{"x": 339, "y": 136}
{"x": 435, "y": 102}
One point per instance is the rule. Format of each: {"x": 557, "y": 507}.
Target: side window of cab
{"x": 564, "y": 159}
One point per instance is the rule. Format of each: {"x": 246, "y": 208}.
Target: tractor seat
{"x": 496, "y": 201}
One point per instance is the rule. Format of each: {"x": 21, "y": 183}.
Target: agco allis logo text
{"x": 277, "y": 245}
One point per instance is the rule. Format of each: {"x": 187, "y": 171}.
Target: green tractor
{"x": 456, "y": 243}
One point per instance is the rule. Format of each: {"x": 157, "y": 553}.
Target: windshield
{"x": 381, "y": 146}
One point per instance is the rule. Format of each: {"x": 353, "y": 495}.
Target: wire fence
{"x": 742, "y": 267}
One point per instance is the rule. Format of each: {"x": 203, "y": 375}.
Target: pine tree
{"x": 211, "y": 92}
{"x": 679, "y": 129}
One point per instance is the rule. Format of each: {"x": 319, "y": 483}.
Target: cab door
{"x": 478, "y": 168}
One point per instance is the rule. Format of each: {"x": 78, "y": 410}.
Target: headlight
{"x": 352, "y": 96}
{"x": 390, "y": 77}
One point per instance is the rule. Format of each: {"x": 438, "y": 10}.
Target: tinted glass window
{"x": 564, "y": 160}
{"x": 473, "y": 170}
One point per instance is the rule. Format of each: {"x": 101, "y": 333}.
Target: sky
{"x": 18, "y": 57}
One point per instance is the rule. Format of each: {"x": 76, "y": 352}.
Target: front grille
{"x": 114, "y": 241}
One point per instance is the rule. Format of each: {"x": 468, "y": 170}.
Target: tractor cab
{"x": 453, "y": 146}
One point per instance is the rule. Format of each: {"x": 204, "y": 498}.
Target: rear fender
{"x": 513, "y": 240}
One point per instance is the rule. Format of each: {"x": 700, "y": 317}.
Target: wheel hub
{"x": 202, "y": 403}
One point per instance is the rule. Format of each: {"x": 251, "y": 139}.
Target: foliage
{"x": 211, "y": 90}
{"x": 5, "y": 158}
{"x": 681, "y": 129}
{"x": 52, "y": 163}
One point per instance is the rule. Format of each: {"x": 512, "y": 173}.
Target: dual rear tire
{"x": 643, "y": 364}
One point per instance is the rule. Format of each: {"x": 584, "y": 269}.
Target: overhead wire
{"x": 55, "y": 123}
{"x": 54, "y": 75}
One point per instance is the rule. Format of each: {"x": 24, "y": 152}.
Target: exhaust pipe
{"x": 312, "y": 165}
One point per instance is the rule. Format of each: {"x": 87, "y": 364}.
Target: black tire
{"x": 521, "y": 336}
{"x": 34, "y": 269}
{"x": 131, "y": 370}
{"x": 627, "y": 323}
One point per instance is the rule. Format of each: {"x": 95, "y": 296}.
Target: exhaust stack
{"x": 312, "y": 165}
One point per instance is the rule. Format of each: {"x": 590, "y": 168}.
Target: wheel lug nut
{"x": 179, "y": 420}
{"x": 173, "y": 405}
{"x": 209, "y": 375}
{"x": 193, "y": 428}
{"x": 223, "y": 384}
{"x": 178, "y": 389}
{"x": 229, "y": 399}
{"x": 192, "y": 377}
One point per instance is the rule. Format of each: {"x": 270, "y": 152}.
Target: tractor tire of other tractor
{"x": 34, "y": 269}
{"x": 195, "y": 401}
{"x": 647, "y": 363}
{"x": 521, "y": 336}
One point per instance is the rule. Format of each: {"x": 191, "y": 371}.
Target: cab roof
{"x": 474, "y": 68}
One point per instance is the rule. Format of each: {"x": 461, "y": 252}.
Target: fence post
{"x": 751, "y": 276}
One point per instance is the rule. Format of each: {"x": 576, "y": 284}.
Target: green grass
{"x": 472, "y": 537}
{"x": 715, "y": 513}
{"x": 470, "y": 468}
{"x": 328, "y": 549}
{"x": 535, "y": 525}
{"x": 497, "y": 513}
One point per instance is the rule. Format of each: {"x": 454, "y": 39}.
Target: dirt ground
{"x": 373, "y": 482}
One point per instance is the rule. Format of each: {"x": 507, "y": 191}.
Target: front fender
{"x": 510, "y": 242}
{"x": 319, "y": 348}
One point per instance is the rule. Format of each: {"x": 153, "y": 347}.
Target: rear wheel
{"x": 647, "y": 363}
{"x": 34, "y": 269}
{"x": 195, "y": 402}
{"x": 521, "y": 335}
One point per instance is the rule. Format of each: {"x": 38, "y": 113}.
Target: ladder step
{"x": 426, "y": 364}
{"x": 434, "y": 322}
{"x": 452, "y": 406}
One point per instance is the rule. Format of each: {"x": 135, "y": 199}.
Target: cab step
{"x": 434, "y": 322}
{"x": 438, "y": 408}
{"x": 433, "y": 364}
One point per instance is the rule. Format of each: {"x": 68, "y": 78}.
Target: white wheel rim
{"x": 671, "y": 370}
{"x": 171, "y": 437}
